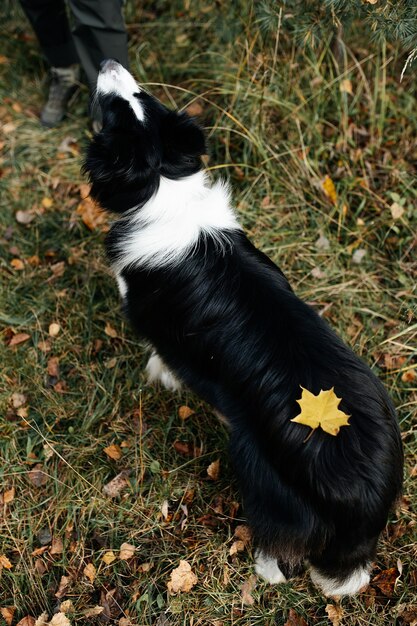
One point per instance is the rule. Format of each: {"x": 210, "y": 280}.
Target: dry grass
{"x": 278, "y": 123}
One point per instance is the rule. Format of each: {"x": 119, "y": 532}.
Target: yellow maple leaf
{"x": 321, "y": 410}
{"x": 329, "y": 189}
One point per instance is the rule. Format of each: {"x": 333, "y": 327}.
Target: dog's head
{"x": 141, "y": 140}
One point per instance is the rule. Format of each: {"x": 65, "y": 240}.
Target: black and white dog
{"x": 224, "y": 321}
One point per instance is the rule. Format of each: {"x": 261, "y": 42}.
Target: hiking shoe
{"x": 64, "y": 80}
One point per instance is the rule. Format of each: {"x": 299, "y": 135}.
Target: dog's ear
{"x": 183, "y": 144}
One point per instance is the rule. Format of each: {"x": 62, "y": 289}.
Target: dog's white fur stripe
{"x": 169, "y": 225}
{"x": 331, "y": 587}
{"x": 116, "y": 80}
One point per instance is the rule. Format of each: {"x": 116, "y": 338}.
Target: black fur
{"x": 230, "y": 327}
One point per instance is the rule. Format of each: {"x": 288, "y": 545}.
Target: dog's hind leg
{"x": 158, "y": 372}
{"x": 343, "y": 572}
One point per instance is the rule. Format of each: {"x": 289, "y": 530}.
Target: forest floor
{"x": 322, "y": 159}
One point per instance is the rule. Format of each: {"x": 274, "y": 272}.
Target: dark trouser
{"x": 99, "y": 32}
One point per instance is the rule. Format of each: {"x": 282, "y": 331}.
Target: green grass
{"x": 278, "y": 123}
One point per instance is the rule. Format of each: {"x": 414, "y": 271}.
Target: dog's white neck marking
{"x": 168, "y": 226}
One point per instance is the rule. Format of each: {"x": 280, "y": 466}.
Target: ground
{"x": 322, "y": 158}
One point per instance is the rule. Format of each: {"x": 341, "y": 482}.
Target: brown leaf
{"x": 18, "y": 339}
{"x": 27, "y": 621}
{"x": 96, "y": 610}
{"x": 194, "y": 109}
{"x": 90, "y": 572}
{"x": 63, "y": 587}
{"x": 42, "y": 620}
{"x": 7, "y": 613}
{"x": 396, "y": 210}
{"x": 335, "y": 613}
{"x": 53, "y": 366}
{"x": 67, "y": 607}
{"x": 182, "y": 578}
{"x": 37, "y": 476}
{"x": 44, "y": 346}
{"x": 294, "y": 619}
{"x": 246, "y": 590}
{"x": 59, "y": 619}
{"x": 110, "y": 331}
{"x": 243, "y": 533}
{"x": 114, "y": 452}
{"x": 57, "y": 269}
{"x": 92, "y": 215}
{"x": 346, "y": 86}
{"x": 24, "y": 217}
{"x": 409, "y": 376}
{"x": 40, "y": 567}
{"x": 237, "y": 546}
{"x": 54, "y": 329}
{"x": 57, "y": 546}
{"x": 4, "y": 562}
{"x": 186, "y": 449}
{"x": 127, "y": 551}
{"x": 213, "y": 470}
{"x": 18, "y": 400}
{"x": 69, "y": 146}
{"x": 108, "y": 557}
{"x": 47, "y": 202}
{"x": 385, "y": 581}
{"x": 8, "y": 496}
{"x": 116, "y": 485}
{"x": 185, "y": 412}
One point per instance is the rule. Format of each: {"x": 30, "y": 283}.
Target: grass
{"x": 278, "y": 122}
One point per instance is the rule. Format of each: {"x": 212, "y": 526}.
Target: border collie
{"x": 223, "y": 320}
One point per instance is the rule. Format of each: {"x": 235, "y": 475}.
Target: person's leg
{"x": 99, "y": 33}
{"x": 50, "y": 23}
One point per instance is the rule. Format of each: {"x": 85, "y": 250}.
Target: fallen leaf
{"x": 358, "y": 255}
{"x": 164, "y": 509}
{"x": 108, "y": 557}
{"x": 182, "y": 578}
{"x": 54, "y": 329}
{"x": 57, "y": 546}
{"x": 127, "y": 551}
{"x": 385, "y": 581}
{"x": 124, "y": 621}
{"x": 90, "y": 572}
{"x": 24, "y": 217}
{"x": 7, "y": 614}
{"x": 409, "y": 376}
{"x": 110, "y": 331}
{"x": 63, "y": 587}
{"x": 194, "y": 109}
{"x": 237, "y": 546}
{"x": 53, "y": 367}
{"x": 44, "y": 346}
{"x": 67, "y": 606}
{"x": 213, "y": 470}
{"x": 37, "y": 476}
{"x": 69, "y": 146}
{"x": 371, "y": 1}
{"x": 185, "y": 412}
{"x": 322, "y": 243}
{"x": 116, "y": 485}
{"x": 335, "y": 613}
{"x": 316, "y": 272}
{"x": 18, "y": 399}
{"x": 408, "y": 614}
{"x": 246, "y": 590}
{"x": 47, "y": 202}
{"x": 243, "y": 533}
{"x": 4, "y": 562}
{"x": 8, "y": 496}
{"x": 27, "y": 621}
{"x": 96, "y": 610}
{"x": 321, "y": 410}
{"x": 18, "y": 339}
{"x": 43, "y": 620}
{"x": 109, "y": 364}
{"x": 40, "y": 567}
{"x": 187, "y": 449}
{"x": 346, "y": 86}
{"x": 396, "y": 210}
{"x": 59, "y": 619}
{"x": 92, "y": 215}
{"x": 294, "y": 619}
{"x": 329, "y": 189}
{"x": 114, "y": 452}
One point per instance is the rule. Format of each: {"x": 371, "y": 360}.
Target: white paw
{"x": 267, "y": 568}
{"x": 158, "y": 372}
{"x": 332, "y": 587}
